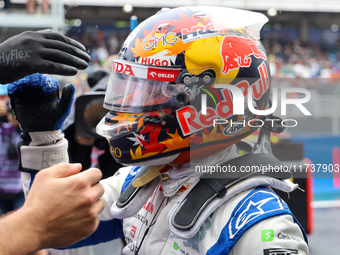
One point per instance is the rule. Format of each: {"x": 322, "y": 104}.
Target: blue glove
{"x": 41, "y": 113}
{"x": 37, "y": 105}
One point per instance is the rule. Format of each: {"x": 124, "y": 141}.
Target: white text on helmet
{"x": 152, "y": 61}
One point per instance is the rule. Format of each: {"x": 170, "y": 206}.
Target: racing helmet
{"x": 169, "y": 85}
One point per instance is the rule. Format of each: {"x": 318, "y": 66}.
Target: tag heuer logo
{"x": 279, "y": 251}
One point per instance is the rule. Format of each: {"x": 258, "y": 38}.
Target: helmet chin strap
{"x": 149, "y": 175}
{"x": 155, "y": 162}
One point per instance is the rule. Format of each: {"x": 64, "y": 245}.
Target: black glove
{"x": 40, "y": 52}
{"x": 37, "y": 105}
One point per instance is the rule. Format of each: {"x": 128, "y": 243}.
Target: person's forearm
{"x": 61, "y": 209}
{"x": 18, "y": 234}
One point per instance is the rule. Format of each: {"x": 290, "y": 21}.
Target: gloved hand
{"x": 37, "y": 105}
{"x": 40, "y": 52}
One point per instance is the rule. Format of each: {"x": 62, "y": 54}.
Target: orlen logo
{"x": 122, "y": 68}
{"x": 159, "y": 74}
{"x": 236, "y": 52}
{"x": 133, "y": 231}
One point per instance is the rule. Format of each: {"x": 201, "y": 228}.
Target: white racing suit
{"x": 249, "y": 219}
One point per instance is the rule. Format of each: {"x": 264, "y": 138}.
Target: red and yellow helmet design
{"x": 173, "y": 64}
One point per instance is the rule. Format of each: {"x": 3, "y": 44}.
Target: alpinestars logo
{"x": 279, "y": 251}
{"x": 254, "y": 207}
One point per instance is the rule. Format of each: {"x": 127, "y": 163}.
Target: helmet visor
{"x": 138, "y": 88}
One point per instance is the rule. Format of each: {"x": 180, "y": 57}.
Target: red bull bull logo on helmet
{"x": 237, "y": 51}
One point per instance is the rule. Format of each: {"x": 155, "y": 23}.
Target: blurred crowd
{"x": 292, "y": 58}
{"x": 292, "y": 63}
{"x": 100, "y": 42}
{"x": 288, "y": 58}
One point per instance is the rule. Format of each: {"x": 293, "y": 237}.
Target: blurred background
{"x": 302, "y": 40}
